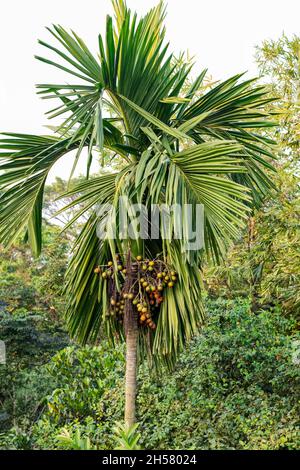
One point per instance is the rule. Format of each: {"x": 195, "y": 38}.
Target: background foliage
{"x": 264, "y": 265}
{"x": 236, "y": 387}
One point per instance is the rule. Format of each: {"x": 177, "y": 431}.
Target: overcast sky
{"x": 221, "y": 34}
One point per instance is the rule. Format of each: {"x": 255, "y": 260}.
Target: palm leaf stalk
{"x": 179, "y": 144}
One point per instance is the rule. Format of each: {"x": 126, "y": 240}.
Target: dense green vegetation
{"x": 237, "y": 384}
{"x": 236, "y": 387}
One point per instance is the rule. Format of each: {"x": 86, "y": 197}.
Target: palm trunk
{"x": 131, "y": 332}
{"x": 131, "y": 374}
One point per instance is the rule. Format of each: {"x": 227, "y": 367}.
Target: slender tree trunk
{"x": 131, "y": 332}
{"x": 131, "y": 374}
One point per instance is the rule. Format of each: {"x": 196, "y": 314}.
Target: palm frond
{"x": 88, "y": 301}
{"x": 25, "y": 161}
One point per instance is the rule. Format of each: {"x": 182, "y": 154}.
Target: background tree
{"x": 279, "y": 65}
{"x": 264, "y": 264}
{"x": 176, "y": 147}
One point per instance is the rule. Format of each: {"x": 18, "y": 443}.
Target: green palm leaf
{"x": 26, "y": 161}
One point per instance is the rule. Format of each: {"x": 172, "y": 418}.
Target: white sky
{"x": 221, "y": 34}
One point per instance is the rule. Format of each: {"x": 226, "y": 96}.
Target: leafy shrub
{"x": 74, "y": 441}
{"x": 237, "y": 373}
{"x": 15, "y": 439}
{"x": 127, "y": 437}
{"x": 83, "y": 377}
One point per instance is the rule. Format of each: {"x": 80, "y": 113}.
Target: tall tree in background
{"x": 265, "y": 264}
{"x": 276, "y": 252}
{"x": 279, "y": 65}
{"x": 176, "y": 147}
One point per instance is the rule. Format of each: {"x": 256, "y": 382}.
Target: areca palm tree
{"x": 176, "y": 144}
